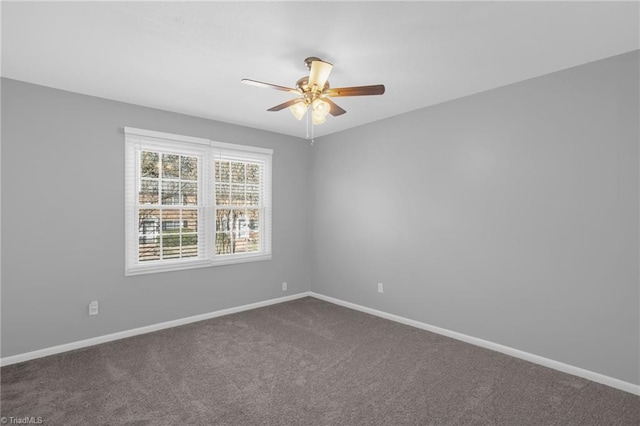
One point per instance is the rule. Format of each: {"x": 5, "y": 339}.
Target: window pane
{"x": 148, "y": 234}
{"x": 223, "y": 236}
{"x": 223, "y": 243}
{"x": 222, "y": 171}
{"x": 149, "y": 223}
{"x": 171, "y": 221}
{"x": 149, "y": 164}
{"x": 253, "y": 242}
{"x": 189, "y": 245}
{"x": 149, "y": 251}
{"x": 253, "y": 217}
{"x": 237, "y": 172}
{"x": 222, "y": 194}
{"x": 241, "y": 223}
{"x": 190, "y": 193}
{"x": 170, "y": 193}
{"x": 223, "y": 220}
{"x": 189, "y": 236}
{"x": 148, "y": 191}
{"x": 240, "y": 231}
{"x": 237, "y": 195}
{"x": 252, "y": 195}
{"x": 188, "y": 168}
{"x": 189, "y": 221}
{"x": 253, "y": 173}
{"x": 170, "y": 166}
{"x": 170, "y": 246}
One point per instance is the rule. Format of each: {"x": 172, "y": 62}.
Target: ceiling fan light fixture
{"x": 298, "y": 110}
{"x": 316, "y": 92}
{"x": 320, "y": 107}
{"x": 317, "y": 118}
{"x": 318, "y": 74}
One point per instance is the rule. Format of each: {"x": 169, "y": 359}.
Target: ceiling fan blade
{"x": 334, "y": 110}
{"x": 269, "y": 86}
{"x": 319, "y": 74}
{"x": 377, "y": 89}
{"x": 286, "y": 104}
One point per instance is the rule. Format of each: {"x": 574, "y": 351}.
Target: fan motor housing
{"x": 303, "y": 85}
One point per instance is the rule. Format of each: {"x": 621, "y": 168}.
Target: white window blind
{"x": 192, "y": 202}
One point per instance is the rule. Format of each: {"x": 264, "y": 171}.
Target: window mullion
{"x": 206, "y": 229}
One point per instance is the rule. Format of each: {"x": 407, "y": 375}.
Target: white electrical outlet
{"x": 284, "y": 286}
{"x": 93, "y": 308}
{"x": 380, "y": 288}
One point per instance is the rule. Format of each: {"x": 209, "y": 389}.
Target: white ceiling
{"x": 189, "y": 57}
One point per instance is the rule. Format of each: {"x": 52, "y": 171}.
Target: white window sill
{"x": 165, "y": 266}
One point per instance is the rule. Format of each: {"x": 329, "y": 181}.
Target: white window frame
{"x": 207, "y": 151}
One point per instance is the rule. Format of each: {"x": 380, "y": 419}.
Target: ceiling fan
{"x": 314, "y": 91}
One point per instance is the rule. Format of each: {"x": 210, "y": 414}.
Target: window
{"x": 193, "y": 202}
{"x": 238, "y": 213}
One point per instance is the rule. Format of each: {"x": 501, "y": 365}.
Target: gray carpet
{"x": 305, "y": 362}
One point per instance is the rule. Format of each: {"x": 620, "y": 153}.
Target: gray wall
{"x": 63, "y": 222}
{"x": 510, "y": 215}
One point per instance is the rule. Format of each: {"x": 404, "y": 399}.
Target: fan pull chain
{"x": 309, "y": 125}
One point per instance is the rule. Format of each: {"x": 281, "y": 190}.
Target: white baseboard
{"x": 556, "y": 365}
{"x": 516, "y": 353}
{"x": 142, "y": 330}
